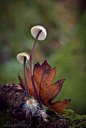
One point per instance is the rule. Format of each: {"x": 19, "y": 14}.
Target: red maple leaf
{"x": 43, "y": 76}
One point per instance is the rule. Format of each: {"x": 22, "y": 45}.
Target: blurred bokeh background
{"x": 64, "y": 47}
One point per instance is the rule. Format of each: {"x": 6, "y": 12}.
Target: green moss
{"x": 84, "y": 117}
{"x": 64, "y": 120}
{"x": 81, "y": 125}
{"x": 54, "y": 119}
{"x": 7, "y": 118}
{"x": 69, "y": 112}
{"x": 74, "y": 118}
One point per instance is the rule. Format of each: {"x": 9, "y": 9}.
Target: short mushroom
{"x": 24, "y": 58}
{"x": 36, "y": 29}
{"x": 20, "y": 57}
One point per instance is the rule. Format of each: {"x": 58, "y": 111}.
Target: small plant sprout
{"x": 30, "y": 104}
{"x": 39, "y": 33}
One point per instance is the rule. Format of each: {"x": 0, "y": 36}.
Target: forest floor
{"x": 70, "y": 120}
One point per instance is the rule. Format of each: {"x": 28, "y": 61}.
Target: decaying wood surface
{"x": 12, "y": 96}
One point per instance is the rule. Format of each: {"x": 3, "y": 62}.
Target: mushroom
{"x": 31, "y": 104}
{"x": 24, "y": 58}
{"x": 36, "y": 29}
{"x": 20, "y": 57}
{"x": 39, "y": 33}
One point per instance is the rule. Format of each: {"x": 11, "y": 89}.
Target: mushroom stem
{"x": 36, "y": 92}
{"x": 25, "y": 78}
{"x": 31, "y": 56}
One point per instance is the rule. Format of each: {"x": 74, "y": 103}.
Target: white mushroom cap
{"x": 36, "y": 29}
{"x": 20, "y": 57}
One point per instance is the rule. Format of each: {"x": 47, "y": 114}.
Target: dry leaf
{"x": 43, "y": 76}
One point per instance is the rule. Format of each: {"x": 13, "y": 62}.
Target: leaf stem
{"x": 25, "y": 78}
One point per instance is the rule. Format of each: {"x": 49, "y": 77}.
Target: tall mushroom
{"x": 39, "y": 33}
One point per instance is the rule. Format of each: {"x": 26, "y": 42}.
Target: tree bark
{"x": 12, "y": 96}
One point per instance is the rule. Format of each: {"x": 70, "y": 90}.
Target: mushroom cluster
{"x": 31, "y": 105}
